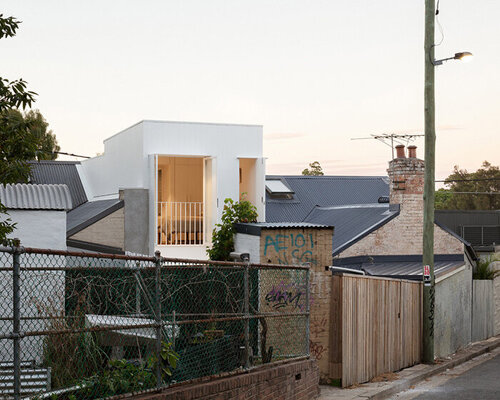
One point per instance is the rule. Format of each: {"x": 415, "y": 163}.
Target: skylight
{"x": 276, "y": 188}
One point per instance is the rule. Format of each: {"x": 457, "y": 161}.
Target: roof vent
{"x": 383, "y": 199}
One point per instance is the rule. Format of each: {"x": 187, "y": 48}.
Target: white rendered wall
{"x": 44, "y": 229}
{"x": 42, "y": 292}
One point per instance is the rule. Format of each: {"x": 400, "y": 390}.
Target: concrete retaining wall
{"x": 482, "y": 309}
{"x": 496, "y": 298}
{"x": 452, "y": 318}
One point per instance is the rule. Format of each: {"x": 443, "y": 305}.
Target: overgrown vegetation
{"x": 483, "y": 269}
{"x": 223, "y": 234}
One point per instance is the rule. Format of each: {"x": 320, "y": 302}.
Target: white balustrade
{"x": 180, "y": 223}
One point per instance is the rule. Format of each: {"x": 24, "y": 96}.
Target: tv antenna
{"x": 390, "y": 138}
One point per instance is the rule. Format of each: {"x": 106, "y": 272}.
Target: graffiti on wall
{"x": 287, "y": 295}
{"x": 316, "y": 349}
{"x": 292, "y": 248}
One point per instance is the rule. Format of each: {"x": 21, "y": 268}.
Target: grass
{"x": 483, "y": 269}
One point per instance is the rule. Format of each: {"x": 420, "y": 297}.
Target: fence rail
{"x": 93, "y": 326}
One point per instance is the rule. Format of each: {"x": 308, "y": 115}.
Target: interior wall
{"x": 180, "y": 179}
{"x": 247, "y": 179}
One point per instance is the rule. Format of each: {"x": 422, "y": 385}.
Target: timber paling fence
{"x": 83, "y": 326}
{"x": 376, "y": 327}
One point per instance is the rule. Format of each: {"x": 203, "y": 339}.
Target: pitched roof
{"x": 254, "y": 228}
{"x": 323, "y": 191}
{"x": 86, "y": 214}
{"x": 352, "y": 222}
{"x": 59, "y": 172}
{"x": 400, "y": 266}
{"x": 35, "y": 197}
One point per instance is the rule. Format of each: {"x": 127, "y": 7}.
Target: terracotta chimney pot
{"x": 412, "y": 151}
{"x": 400, "y": 151}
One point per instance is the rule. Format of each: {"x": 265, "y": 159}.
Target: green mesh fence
{"x": 76, "y": 326}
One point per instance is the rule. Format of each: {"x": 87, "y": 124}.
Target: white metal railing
{"x": 180, "y": 223}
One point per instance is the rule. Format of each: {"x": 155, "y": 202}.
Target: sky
{"x": 315, "y": 74}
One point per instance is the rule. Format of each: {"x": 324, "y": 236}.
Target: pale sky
{"x": 314, "y": 73}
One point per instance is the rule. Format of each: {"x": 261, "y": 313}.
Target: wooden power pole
{"x": 430, "y": 141}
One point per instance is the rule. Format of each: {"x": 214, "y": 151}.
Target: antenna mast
{"x": 392, "y": 137}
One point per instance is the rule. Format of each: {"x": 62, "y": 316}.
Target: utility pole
{"x": 430, "y": 141}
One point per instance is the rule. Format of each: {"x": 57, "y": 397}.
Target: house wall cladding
{"x": 453, "y": 313}
{"x": 296, "y": 380}
{"x": 306, "y": 245}
{"x": 108, "y": 231}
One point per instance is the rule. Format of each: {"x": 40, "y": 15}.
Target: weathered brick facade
{"x": 404, "y": 234}
{"x": 296, "y": 246}
{"x": 288, "y": 381}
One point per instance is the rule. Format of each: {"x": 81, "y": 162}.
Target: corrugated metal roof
{"x": 60, "y": 172}
{"x": 312, "y": 191}
{"x": 400, "y": 266}
{"x": 36, "y": 197}
{"x": 352, "y": 222}
{"x": 254, "y": 228}
{"x": 90, "y": 212}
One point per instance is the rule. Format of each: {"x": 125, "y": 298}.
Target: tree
{"x": 17, "y": 144}
{"x": 223, "y": 234}
{"x": 483, "y": 186}
{"x": 314, "y": 169}
{"x": 36, "y": 125}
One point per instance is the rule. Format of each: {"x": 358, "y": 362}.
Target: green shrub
{"x": 223, "y": 234}
{"x": 483, "y": 270}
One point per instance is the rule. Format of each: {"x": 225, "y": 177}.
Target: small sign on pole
{"x": 427, "y": 275}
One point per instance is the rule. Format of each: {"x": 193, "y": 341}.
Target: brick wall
{"x": 404, "y": 234}
{"x": 295, "y": 246}
{"x": 293, "y": 380}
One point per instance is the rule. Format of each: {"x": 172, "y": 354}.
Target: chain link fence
{"x": 83, "y": 326}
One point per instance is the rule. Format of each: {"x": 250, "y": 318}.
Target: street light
{"x": 464, "y": 56}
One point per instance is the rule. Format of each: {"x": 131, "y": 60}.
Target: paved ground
{"x": 476, "y": 379}
{"x": 474, "y": 371}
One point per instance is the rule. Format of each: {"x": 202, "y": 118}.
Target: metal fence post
{"x": 157, "y": 308}
{"x": 16, "y": 326}
{"x": 308, "y": 310}
{"x": 247, "y": 315}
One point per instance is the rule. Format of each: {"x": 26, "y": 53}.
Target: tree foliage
{"x": 223, "y": 234}
{"x": 17, "y": 143}
{"x": 314, "y": 169}
{"x": 485, "y": 180}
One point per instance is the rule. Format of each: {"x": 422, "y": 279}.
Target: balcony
{"x": 180, "y": 223}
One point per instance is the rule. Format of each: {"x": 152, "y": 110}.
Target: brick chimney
{"x": 406, "y": 177}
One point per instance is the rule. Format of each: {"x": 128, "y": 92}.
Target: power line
{"x": 451, "y": 192}
{"x": 469, "y": 180}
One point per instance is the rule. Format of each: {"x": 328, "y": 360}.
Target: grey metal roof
{"x": 404, "y": 267}
{"x": 59, "y": 172}
{"x": 324, "y": 191}
{"x": 352, "y": 222}
{"x": 88, "y": 213}
{"x": 254, "y": 228}
{"x": 35, "y": 197}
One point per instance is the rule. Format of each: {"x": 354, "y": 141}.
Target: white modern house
{"x": 167, "y": 181}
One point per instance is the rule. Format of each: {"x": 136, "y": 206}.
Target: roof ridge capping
{"x": 36, "y": 196}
